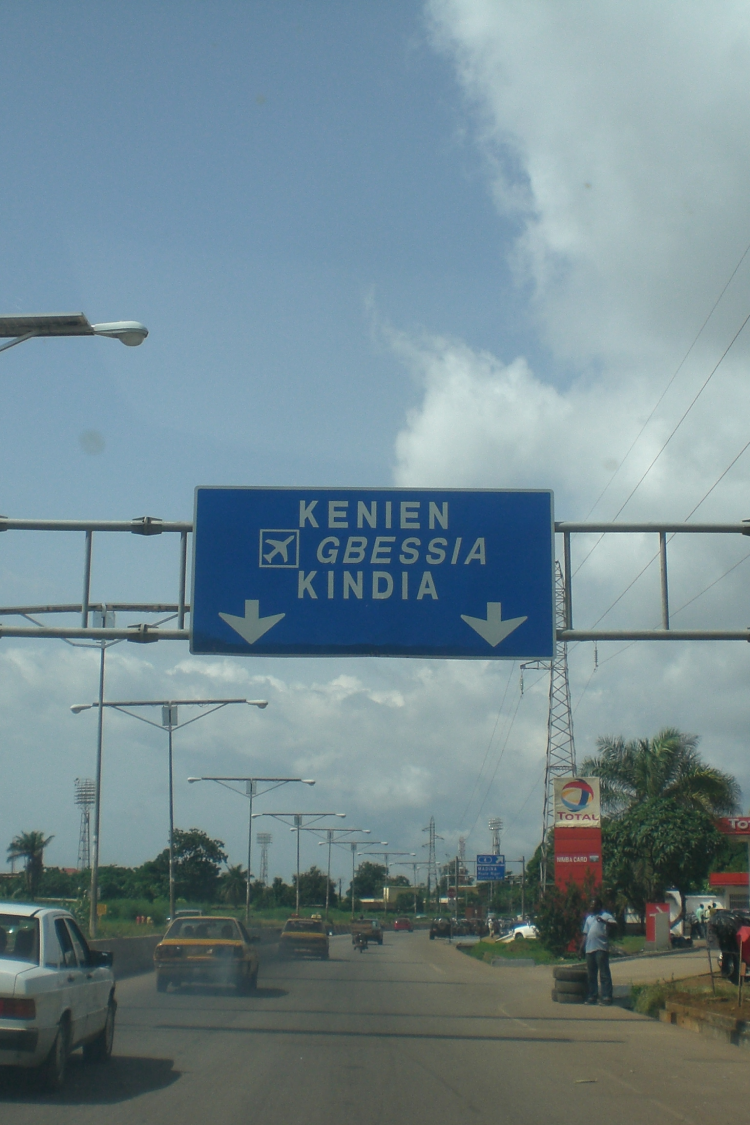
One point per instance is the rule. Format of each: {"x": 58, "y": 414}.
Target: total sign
{"x": 577, "y": 802}
{"x": 373, "y": 572}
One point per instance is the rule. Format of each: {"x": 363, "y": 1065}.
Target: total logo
{"x": 577, "y": 795}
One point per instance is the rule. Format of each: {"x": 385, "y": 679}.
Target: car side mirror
{"x": 101, "y": 957}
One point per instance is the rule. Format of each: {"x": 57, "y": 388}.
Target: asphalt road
{"x": 413, "y": 1032}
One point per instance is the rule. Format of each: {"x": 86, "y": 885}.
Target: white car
{"x": 56, "y": 994}
{"x": 522, "y": 930}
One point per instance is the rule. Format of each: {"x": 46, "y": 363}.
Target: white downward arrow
{"x": 252, "y": 625}
{"x": 493, "y": 629}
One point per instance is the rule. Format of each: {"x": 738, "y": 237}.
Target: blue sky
{"x": 463, "y": 243}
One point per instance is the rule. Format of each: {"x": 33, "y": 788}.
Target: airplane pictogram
{"x": 279, "y": 547}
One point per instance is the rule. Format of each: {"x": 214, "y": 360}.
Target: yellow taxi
{"x": 304, "y": 936}
{"x": 206, "y": 950}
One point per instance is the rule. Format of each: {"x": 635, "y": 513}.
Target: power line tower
{"x": 432, "y": 871}
{"x": 264, "y": 840}
{"x": 462, "y": 850}
{"x": 495, "y": 826}
{"x": 561, "y": 750}
{"x": 85, "y": 798}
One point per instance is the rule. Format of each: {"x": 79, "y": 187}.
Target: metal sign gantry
{"x": 179, "y": 609}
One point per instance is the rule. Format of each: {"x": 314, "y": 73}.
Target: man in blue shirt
{"x": 595, "y": 943}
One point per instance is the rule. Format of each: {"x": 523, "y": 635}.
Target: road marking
{"x": 437, "y": 968}
{"x": 515, "y": 1019}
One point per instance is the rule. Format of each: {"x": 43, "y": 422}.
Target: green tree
{"x": 662, "y": 799}
{"x": 312, "y": 887}
{"x": 668, "y": 765}
{"x": 233, "y": 885}
{"x": 29, "y": 846}
{"x": 369, "y": 880}
{"x": 198, "y": 861}
{"x": 658, "y": 844}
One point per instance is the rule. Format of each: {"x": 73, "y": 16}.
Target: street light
{"x": 250, "y": 792}
{"x": 354, "y": 844}
{"x": 296, "y": 820}
{"x": 330, "y": 833}
{"x": 169, "y": 722}
{"x": 130, "y": 332}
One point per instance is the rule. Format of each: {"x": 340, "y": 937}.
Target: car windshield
{"x": 205, "y": 929}
{"x": 19, "y": 938}
{"x": 303, "y": 926}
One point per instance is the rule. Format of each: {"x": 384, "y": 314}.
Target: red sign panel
{"x": 578, "y": 855}
{"x": 734, "y": 825}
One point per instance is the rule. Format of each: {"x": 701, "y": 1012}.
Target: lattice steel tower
{"x": 495, "y": 826}
{"x": 264, "y": 841}
{"x": 561, "y": 750}
{"x": 432, "y": 871}
{"x": 85, "y": 799}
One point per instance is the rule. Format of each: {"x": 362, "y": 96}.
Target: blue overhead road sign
{"x": 490, "y": 868}
{"x": 373, "y": 572}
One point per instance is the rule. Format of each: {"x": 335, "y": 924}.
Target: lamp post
{"x": 330, "y": 833}
{"x": 250, "y": 793}
{"x": 170, "y": 723}
{"x": 130, "y": 332}
{"x": 386, "y": 855}
{"x": 354, "y": 844}
{"x": 296, "y": 820}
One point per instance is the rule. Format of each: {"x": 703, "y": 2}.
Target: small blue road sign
{"x": 490, "y": 867}
{"x": 373, "y": 572}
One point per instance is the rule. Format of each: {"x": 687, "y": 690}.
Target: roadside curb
{"x": 727, "y": 1029}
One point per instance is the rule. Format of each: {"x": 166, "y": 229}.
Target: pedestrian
{"x": 699, "y": 922}
{"x": 595, "y": 944}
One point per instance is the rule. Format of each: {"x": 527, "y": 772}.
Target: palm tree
{"x": 668, "y": 765}
{"x": 29, "y": 846}
{"x": 234, "y": 885}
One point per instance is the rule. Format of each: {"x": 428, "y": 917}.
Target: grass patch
{"x": 649, "y": 999}
{"x": 512, "y": 950}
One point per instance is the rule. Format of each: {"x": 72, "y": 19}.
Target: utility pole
{"x": 495, "y": 826}
{"x": 331, "y": 834}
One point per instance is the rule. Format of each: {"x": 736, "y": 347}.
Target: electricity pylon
{"x": 561, "y": 751}
{"x": 495, "y": 826}
{"x": 432, "y": 872}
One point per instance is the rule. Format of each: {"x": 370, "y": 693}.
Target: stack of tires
{"x": 571, "y": 984}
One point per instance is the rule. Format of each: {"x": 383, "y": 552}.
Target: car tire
{"x": 562, "y": 972}
{"x": 54, "y": 1069}
{"x": 162, "y": 984}
{"x": 518, "y": 937}
{"x": 432, "y": 937}
{"x": 568, "y": 997}
{"x": 99, "y": 1050}
{"x": 572, "y": 987}
{"x": 730, "y": 967}
{"x": 324, "y": 956}
{"x": 244, "y": 983}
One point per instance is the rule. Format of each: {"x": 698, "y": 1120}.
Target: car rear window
{"x": 303, "y": 926}
{"x": 19, "y": 938}
{"x": 211, "y": 929}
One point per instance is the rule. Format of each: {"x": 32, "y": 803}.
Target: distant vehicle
{"x": 403, "y": 924}
{"x": 56, "y": 994}
{"x": 206, "y": 950}
{"x": 304, "y": 936}
{"x": 441, "y": 927}
{"x": 369, "y": 926}
{"x": 522, "y": 930}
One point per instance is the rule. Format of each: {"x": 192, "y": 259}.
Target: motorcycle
{"x": 360, "y": 942}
